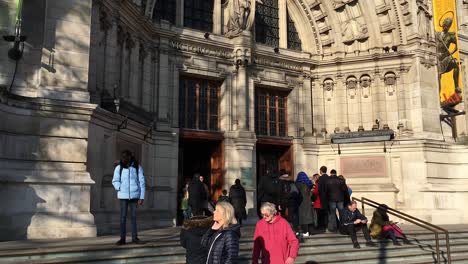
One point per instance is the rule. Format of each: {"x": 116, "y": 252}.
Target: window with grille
{"x": 294, "y": 42}
{"x": 266, "y": 23}
{"x": 199, "y": 104}
{"x": 270, "y": 113}
{"x": 166, "y": 10}
{"x": 198, "y": 14}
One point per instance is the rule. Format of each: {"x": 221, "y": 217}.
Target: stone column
{"x": 112, "y": 59}
{"x": 217, "y": 17}
{"x": 135, "y": 67}
{"x": 283, "y": 24}
{"x": 146, "y": 95}
{"x": 240, "y": 158}
{"x": 163, "y": 92}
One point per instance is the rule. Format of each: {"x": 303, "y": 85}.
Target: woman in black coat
{"x": 191, "y": 236}
{"x": 222, "y": 240}
{"x": 238, "y": 200}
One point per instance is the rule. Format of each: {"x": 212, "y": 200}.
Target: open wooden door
{"x": 217, "y": 171}
{"x": 285, "y": 162}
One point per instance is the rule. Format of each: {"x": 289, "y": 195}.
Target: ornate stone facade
{"x": 102, "y": 76}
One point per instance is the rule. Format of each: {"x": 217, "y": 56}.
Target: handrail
{"x": 421, "y": 223}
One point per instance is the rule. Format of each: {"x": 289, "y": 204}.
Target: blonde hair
{"x": 228, "y": 213}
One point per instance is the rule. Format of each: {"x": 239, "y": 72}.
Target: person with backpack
{"x": 129, "y": 182}
{"x": 290, "y": 200}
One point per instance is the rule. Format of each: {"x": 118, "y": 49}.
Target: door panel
{"x": 217, "y": 171}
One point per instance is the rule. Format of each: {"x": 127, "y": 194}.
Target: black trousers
{"x": 352, "y": 229}
{"x": 322, "y": 221}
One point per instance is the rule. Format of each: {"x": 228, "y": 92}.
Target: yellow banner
{"x": 448, "y": 55}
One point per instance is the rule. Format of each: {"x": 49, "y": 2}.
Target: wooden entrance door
{"x": 217, "y": 171}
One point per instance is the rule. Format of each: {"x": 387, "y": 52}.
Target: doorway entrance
{"x": 273, "y": 155}
{"x": 202, "y": 153}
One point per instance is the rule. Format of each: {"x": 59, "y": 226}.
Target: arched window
{"x": 294, "y": 42}
{"x": 166, "y": 10}
{"x": 267, "y": 23}
{"x": 198, "y": 14}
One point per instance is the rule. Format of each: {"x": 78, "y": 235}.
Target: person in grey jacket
{"x": 129, "y": 182}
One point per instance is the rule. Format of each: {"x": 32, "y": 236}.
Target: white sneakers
{"x": 306, "y": 234}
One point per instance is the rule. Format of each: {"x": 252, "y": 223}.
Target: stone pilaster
{"x": 45, "y": 182}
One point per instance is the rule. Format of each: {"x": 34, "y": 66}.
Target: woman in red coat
{"x": 316, "y": 203}
{"x": 274, "y": 240}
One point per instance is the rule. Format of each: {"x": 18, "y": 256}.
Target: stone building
{"x": 226, "y": 88}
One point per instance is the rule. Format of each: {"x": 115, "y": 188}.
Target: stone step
{"x": 134, "y": 255}
{"x": 318, "y": 242}
{"x": 163, "y": 247}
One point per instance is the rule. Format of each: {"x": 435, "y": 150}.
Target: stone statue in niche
{"x": 354, "y": 30}
{"x": 241, "y": 16}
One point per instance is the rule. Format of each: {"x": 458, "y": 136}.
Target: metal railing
{"x": 416, "y": 221}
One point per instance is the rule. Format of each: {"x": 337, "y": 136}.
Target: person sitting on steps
{"x": 353, "y": 221}
{"x": 382, "y": 227}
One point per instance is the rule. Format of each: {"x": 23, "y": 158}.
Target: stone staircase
{"x": 162, "y": 246}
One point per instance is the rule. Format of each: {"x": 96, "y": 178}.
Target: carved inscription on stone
{"x": 364, "y": 166}
{"x": 201, "y": 50}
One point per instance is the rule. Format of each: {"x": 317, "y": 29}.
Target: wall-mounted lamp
{"x": 15, "y": 53}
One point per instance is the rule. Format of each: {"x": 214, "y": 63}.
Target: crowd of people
{"x": 288, "y": 210}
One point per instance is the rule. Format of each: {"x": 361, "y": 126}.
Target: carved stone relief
{"x": 365, "y": 82}
{"x": 351, "y": 85}
{"x": 328, "y": 86}
{"x": 424, "y": 19}
{"x": 390, "y": 82}
{"x": 340, "y": 3}
{"x": 354, "y": 26}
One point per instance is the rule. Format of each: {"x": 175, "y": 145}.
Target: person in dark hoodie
{"x": 197, "y": 195}
{"x": 222, "y": 240}
{"x": 191, "y": 235}
{"x": 238, "y": 200}
{"x": 322, "y": 191}
{"x": 269, "y": 190}
{"x": 336, "y": 193}
{"x": 290, "y": 200}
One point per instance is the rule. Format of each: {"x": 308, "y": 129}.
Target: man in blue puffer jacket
{"x": 129, "y": 182}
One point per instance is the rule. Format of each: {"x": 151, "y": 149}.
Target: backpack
{"x": 291, "y": 193}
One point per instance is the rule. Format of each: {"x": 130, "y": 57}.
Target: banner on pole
{"x": 448, "y": 55}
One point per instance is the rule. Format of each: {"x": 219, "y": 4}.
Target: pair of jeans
{"x": 124, "y": 205}
{"x": 332, "y": 223}
{"x": 352, "y": 231}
